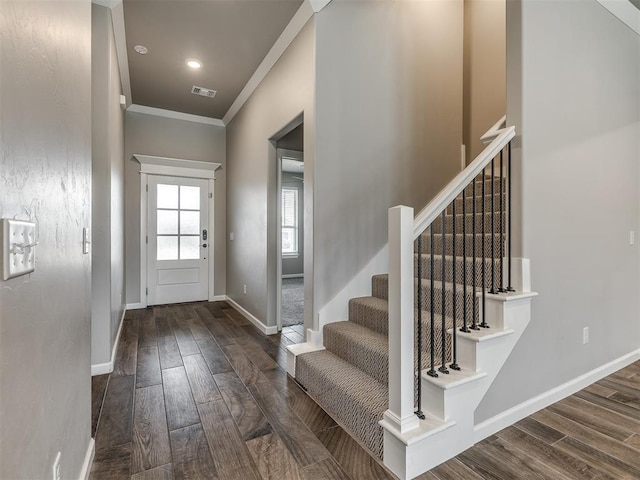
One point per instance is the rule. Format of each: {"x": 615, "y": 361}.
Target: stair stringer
{"x": 449, "y": 402}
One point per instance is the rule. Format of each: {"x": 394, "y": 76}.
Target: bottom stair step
{"x": 350, "y": 396}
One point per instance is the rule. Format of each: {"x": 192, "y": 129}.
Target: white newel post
{"x": 401, "y": 324}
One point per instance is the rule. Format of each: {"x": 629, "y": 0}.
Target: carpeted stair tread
{"x": 465, "y": 223}
{"x": 461, "y": 263}
{"x": 356, "y": 400}
{"x": 370, "y": 312}
{"x": 380, "y": 286}
{"x": 366, "y": 349}
{"x": 461, "y": 248}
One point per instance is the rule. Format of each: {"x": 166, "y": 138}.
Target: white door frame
{"x": 173, "y": 167}
{"x": 281, "y": 152}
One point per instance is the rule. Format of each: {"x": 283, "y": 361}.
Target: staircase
{"x": 456, "y": 261}
{"x": 350, "y": 378}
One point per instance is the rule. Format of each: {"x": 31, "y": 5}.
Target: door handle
{"x": 204, "y": 245}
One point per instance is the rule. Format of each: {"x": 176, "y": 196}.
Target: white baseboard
{"x": 293, "y": 275}
{"x": 261, "y": 326}
{"x": 102, "y": 368}
{"x": 88, "y": 460}
{"x": 135, "y": 306}
{"x": 219, "y": 298}
{"x": 517, "y": 413}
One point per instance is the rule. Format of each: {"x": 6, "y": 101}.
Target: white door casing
{"x": 186, "y": 169}
{"x": 178, "y": 236}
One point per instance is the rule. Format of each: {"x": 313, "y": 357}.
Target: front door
{"x": 178, "y": 240}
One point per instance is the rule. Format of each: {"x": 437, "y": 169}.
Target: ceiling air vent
{"x": 203, "y": 92}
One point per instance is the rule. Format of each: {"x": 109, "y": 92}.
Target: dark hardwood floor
{"x": 198, "y": 392}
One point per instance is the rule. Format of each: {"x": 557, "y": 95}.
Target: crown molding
{"x": 318, "y": 5}
{"x": 106, "y": 3}
{"x": 307, "y": 9}
{"x": 291, "y": 31}
{"x": 625, "y": 11}
{"x": 159, "y": 112}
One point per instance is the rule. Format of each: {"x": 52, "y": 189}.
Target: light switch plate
{"x": 18, "y": 248}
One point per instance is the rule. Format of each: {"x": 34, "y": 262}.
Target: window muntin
{"x": 178, "y": 222}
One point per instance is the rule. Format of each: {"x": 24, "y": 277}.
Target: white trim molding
{"x": 494, "y": 424}
{"x": 176, "y": 167}
{"x": 135, "y": 306}
{"x": 318, "y": 5}
{"x": 625, "y": 11}
{"x": 188, "y": 117}
{"x": 88, "y": 460}
{"x": 291, "y": 31}
{"x": 254, "y": 320}
{"x": 102, "y": 368}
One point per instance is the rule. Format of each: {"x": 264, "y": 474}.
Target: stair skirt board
{"x": 349, "y": 379}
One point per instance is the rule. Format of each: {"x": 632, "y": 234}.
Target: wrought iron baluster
{"x": 484, "y": 324}
{"x": 464, "y": 261}
{"x": 418, "y": 411}
{"x": 454, "y": 258}
{"x": 474, "y": 302}
{"x": 432, "y": 371}
{"x": 493, "y": 227}
{"x": 443, "y": 323}
{"x": 502, "y": 230}
{"x": 509, "y": 285}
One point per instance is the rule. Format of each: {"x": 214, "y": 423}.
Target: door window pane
{"x": 189, "y": 198}
{"x": 167, "y": 196}
{"x": 189, "y": 248}
{"x": 189, "y": 223}
{"x": 167, "y": 222}
{"x": 168, "y": 248}
{"x": 289, "y": 244}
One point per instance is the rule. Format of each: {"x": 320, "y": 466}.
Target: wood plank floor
{"x": 197, "y": 392}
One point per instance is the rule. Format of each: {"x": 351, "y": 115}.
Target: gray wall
{"x": 45, "y": 175}
{"x": 167, "y": 137}
{"x": 107, "y": 216}
{"x": 295, "y": 265}
{"x": 283, "y": 95}
{"x": 389, "y": 123}
{"x": 578, "y": 116}
{"x": 485, "y": 77}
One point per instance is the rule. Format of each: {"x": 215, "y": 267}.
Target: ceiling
{"x": 230, "y": 37}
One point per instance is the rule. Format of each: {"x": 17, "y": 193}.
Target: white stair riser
{"x": 457, "y": 404}
{"x": 451, "y": 403}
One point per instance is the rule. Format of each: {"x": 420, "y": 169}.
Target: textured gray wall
{"x": 286, "y": 92}
{"x": 45, "y": 175}
{"x": 107, "y": 219}
{"x": 578, "y": 116}
{"x": 485, "y": 67}
{"x": 389, "y": 123}
{"x": 167, "y": 137}
{"x": 295, "y": 265}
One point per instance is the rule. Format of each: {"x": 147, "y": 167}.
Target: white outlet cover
{"x": 18, "y": 248}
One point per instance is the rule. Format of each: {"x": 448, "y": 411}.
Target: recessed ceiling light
{"x": 193, "y": 63}
{"x": 141, "y": 49}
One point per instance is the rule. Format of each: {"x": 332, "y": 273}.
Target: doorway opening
{"x": 290, "y": 228}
